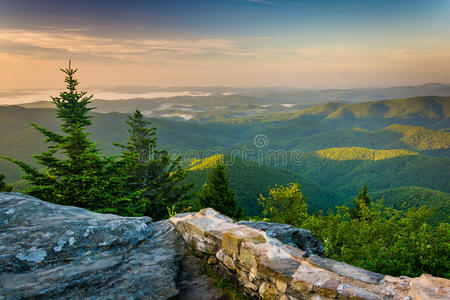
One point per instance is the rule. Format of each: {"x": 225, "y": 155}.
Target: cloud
{"x": 242, "y": 61}
{"x": 47, "y": 43}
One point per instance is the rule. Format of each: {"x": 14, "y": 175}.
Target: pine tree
{"x": 358, "y": 203}
{"x": 3, "y": 186}
{"x": 217, "y": 193}
{"x": 74, "y": 173}
{"x": 154, "y": 177}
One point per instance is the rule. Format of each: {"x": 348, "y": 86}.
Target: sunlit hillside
{"x": 359, "y": 153}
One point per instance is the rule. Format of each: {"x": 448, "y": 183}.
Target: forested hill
{"x": 430, "y": 111}
{"x": 419, "y": 107}
{"x": 416, "y": 196}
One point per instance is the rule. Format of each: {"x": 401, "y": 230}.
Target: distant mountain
{"x": 36, "y": 104}
{"x": 428, "y": 111}
{"x": 354, "y": 95}
{"x": 216, "y": 104}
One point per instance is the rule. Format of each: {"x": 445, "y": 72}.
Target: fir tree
{"x": 154, "y": 177}
{"x": 3, "y": 186}
{"x": 74, "y": 173}
{"x": 217, "y": 193}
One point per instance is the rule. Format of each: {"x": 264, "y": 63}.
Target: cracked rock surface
{"x": 54, "y": 251}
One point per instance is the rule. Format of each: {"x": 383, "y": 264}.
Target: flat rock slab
{"x": 346, "y": 270}
{"x": 54, "y": 251}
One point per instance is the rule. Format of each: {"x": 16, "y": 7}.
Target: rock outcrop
{"x": 63, "y": 252}
{"x": 266, "y": 268}
{"x": 290, "y": 235}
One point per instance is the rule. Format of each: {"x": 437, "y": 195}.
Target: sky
{"x": 241, "y": 43}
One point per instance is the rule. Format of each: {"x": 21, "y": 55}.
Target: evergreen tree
{"x": 359, "y": 202}
{"x": 154, "y": 177}
{"x": 3, "y": 186}
{"x": 74, "y": 173}
{"x": 217, "y": 193}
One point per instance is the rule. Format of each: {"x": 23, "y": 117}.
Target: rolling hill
{"x": 348, "y": 176}
{"x": 421, "y": 139}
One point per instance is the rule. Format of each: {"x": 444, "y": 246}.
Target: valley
{"x": 331, "y": 149}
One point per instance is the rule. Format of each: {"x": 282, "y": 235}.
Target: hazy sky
{"x": 299, "y": 43}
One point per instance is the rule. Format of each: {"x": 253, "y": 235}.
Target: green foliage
{"x": 154, "y": 178}
{"x": 385, "y": 240}
{"x": 359, "y": 203}
{"x": 217, "y": 193}
{"x": 382, "y": 239}
{"x": 285, "y": 204}
{"x": 3, "y": 186}
{"x": 171, "y": 211}
{"x": 74, "y": 172}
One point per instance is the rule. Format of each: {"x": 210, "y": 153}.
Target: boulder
{"x": 290, "y": 235}
{"x": 64, "y": 252}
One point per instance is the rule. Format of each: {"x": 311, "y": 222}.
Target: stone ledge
{"x": 268, "y": 269}
{"x": 346, "y": 270}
